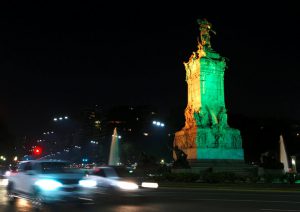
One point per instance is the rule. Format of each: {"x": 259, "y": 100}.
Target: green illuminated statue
{"x": 206, "y": 134}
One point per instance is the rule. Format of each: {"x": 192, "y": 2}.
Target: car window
{"x": 21, "y": 167}
{"x": 27, "y": 166}
{"x": 110, "y": 172}
{"x": 56, "y": 167}
{"x": 99, "y": 172}
{"x": 123, "y": 172}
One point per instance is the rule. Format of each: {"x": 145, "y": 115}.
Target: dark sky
{"x": 58, "y": 58}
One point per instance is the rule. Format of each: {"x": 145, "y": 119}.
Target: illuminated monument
{"x": 206, "y": 134}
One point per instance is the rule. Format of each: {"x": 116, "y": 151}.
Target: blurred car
{"x": 47, "y": 181}
{"x": 119, "y": 180}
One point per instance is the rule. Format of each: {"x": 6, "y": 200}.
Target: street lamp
{"x": 60, "y": 118}
{"x": 158, "y": 123}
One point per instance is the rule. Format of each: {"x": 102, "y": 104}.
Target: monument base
{"x": 210, "y": 143}
{"x": 214, "y": 153}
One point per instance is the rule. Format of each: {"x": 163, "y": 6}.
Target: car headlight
{"x": 88, "y": 183}
{"x": 127, "y": 185}
{"x": 48, "y": 184}
{"x": 149, "y": 185}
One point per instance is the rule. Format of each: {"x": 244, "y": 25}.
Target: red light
{"x": 37, "y": 150}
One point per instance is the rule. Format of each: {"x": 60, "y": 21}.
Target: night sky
{"x": 58, "y": 59}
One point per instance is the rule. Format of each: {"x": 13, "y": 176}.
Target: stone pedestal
{"x": 210, "y": 143}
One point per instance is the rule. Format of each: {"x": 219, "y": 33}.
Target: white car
{"x": 47, "y": 181}
{"x": 118, "y": 180}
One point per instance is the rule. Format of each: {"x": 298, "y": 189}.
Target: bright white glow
{"x": 162, "y": 124}
{"x": 154, "y": 122}
{"x": 60, "y": 118}
{"x": 48, "y": 185}
{"x": 55, "y": 119}
{"x": 146, "y": 134}
{"x": 7, "y": 173}
{"x": 293, "y": 161}
{"x": 4, "y": 182}
{"x": 66, "y": 117}
{"x": 149, "y": 185}
{"x": 23, "y": 203}
{"x": 15, "y": 158}
{"x": 158, "y": 123}
{"x": 127, "y": 185}
{"x": 88, "y": 183}
{"x": 119, "y": 136}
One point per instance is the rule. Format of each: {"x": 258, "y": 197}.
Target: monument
{"x": 206, "y": 134}
{"x": 283, "y": 155}
{"x": 114, "y": 153}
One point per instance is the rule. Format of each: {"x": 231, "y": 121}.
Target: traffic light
{"x": 37, "y": 151}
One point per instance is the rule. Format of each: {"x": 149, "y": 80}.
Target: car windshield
{"x": 56, "y": 167}
{"x": 124, "y": 172}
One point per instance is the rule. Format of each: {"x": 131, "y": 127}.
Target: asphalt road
{"x": 177, "y": 199}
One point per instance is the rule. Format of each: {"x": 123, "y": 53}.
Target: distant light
{"x": 55, "y": 119}
{"x": 15, "y": 158}
{"x": 66, "y": 117}
{"x": 119, "y": 136}
{"x": 158, "y": 123}
{"x": 297, "y": 134}
{"x": 60, "y": 118}
{"x": 146, "y": 134}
